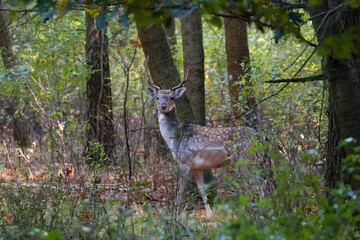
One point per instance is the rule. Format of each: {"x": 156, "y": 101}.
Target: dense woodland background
{"x": 81, "y": 152}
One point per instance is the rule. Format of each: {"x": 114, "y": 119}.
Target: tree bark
{"x": 170, "y": 29}
{"x": 98, "y": 89}
{"x": 334, "y": 154}
{"x": 344, "y": 87}
{"x": 193, "y": 54}
{"x": 161, "y": 65}
{"x": 345, "y": 95}
{"x": 5, "y": 42}
{"x": 238, "y": 59}
{"x": 165, "y": 74}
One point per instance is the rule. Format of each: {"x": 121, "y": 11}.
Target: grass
{"x": 65, "y": 201}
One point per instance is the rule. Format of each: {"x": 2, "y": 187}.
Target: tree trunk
{"x": 19, "y": 122}
{"x": 238, "y": 59}
{"x": 334, "y": 155}
{"x": 344, "y": 88}
{"x": 165, "y": 74}
{"x": 98, "y": 89}
{"x": 193, "y": 53}
{"x": 5, "y": 42}
{"x": 170, "y": 29}
{"x": 161, "y": 65}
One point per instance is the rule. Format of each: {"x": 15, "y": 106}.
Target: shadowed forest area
{"x": 108, "y": 109}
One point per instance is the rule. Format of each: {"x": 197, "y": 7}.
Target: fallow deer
{"x": 196, "y": 147}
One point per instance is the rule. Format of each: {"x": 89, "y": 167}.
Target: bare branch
{"x": 18, "y": 11}
{"x": 245, "y": 17}
{"x": 283, "y": 87}
{"x": 319, "y": 77}
{"x": 288, "y": 6}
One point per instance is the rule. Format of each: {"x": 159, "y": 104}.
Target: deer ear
{"x": 151, "y": 91}
{"x": 179, "y": 92}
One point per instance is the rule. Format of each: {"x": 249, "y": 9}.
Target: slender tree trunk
{"x": 238, "y": 59}
{"x": 161, "y": 65}
{"x": 193, "y": 53}
{"x": 98, "y": 89}
{"x": 344, "y": 88}
{"x": 5, "y": 42}
{"x": 19, "y": 123}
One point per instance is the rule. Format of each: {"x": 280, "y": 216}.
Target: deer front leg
{"x": 183, "y": 179}
{"x": 199, "y": 178}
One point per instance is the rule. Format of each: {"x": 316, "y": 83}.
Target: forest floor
{"x": 158, "y": 189}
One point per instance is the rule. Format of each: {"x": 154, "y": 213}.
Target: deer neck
{"x": 169, "y": 125}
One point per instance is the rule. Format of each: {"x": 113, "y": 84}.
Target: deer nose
{"x": 163, "y": 106}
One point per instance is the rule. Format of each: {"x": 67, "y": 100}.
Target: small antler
{"x": 183, "y": 82}
{"x": 146, "y": 65}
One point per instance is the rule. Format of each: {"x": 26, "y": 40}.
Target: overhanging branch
{"x": 289, "y": 6}
{"x": 319, "y": 77}
{"x": 18, "y": 11}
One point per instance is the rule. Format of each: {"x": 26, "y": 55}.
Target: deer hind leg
{"x": 199, "y": 178}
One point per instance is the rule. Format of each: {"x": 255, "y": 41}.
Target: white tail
{"x": 196, "y": 147}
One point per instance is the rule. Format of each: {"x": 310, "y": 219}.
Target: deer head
{"x": 165, "y": 97}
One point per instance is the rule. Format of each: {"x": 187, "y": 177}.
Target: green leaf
{"x": 94, "y": 12}
{"x": 54, "y": 235}
{"x": 101, "y": 20}
{"x": 295, "y": 17}
{"x": 340, "y": 46}
{"x": 176, "y": 12}
{"x": 235, "y": 224}
{"x": 216, "y": 21}
{"x": 243, "y": 200}
{"x": 312, "y": 3}
{"x": 129, "y": 212}
{"x": 252, "y": 150}
{"x": 193, "y": 6}
{"x": 142, "y": 184}
{"x": 49, "y": 15}
{"x": 278, "y": 34}
{"x": 124, "y": 20}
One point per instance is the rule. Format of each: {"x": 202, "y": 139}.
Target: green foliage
{"x": 145, "y": 12}
{"x": 52, "y": 211}
{"x": 339, "y": 46}
{"x": 96, "y": 156}
{"x": 50, "y": 79}
{"x": 260, "y": 13}
{"x": 295, "y": 210}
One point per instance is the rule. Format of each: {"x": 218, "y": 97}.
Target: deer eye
{"x": 157, "y": 98}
